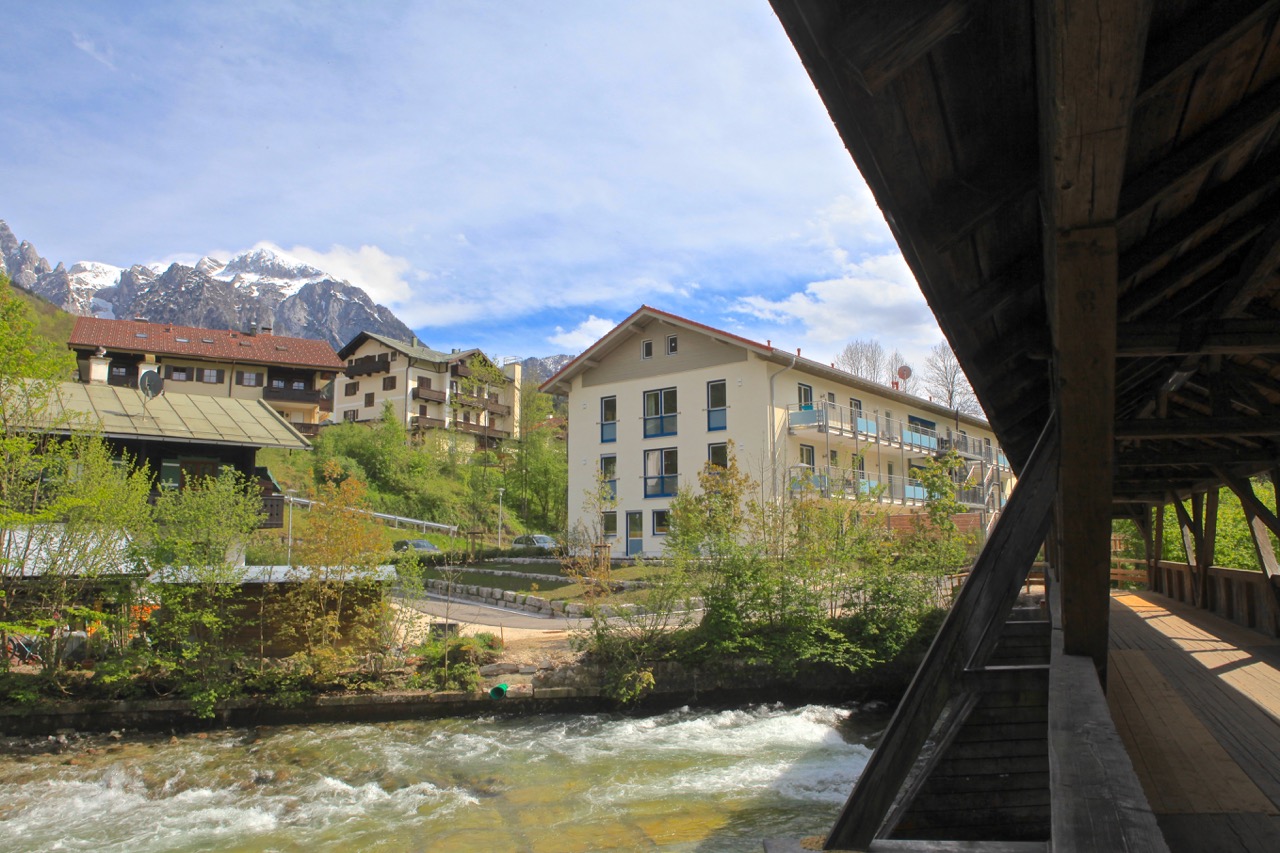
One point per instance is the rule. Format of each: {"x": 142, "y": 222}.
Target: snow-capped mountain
{"x": 258, "y": 286}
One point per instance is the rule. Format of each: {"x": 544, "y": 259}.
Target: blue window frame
{"x": 661, "y": 522}
{"x": 717, "y": 406}
{"x": 608, "y": 419}
{"x": 609, "y": 474}
{"x": 659, "y": 412}
{"x": 661, "y": 472}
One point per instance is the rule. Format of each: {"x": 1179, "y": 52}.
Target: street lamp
{"x": 500, "y": 491}
{"x": 288, "y": 496}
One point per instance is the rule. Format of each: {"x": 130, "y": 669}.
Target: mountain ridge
{"x": 257, "y": 286}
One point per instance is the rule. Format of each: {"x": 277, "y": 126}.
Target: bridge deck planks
{"x": 1196, "y": 700}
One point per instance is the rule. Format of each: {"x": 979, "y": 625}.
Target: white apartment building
{"x": 429, "y": 390}
{"x": 659, "y": 396}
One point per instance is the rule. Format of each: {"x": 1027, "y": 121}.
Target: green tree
{"x": 200, "y": 631}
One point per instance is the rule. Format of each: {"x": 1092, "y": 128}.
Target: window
{"x": 209, "y": 375}
{"x": 833, "y": 458}
{"x": 177, "y": 374}
{"x": 646, "y": 349}
{"x": 248, "y": 378}
{"x": 608, "y": 419}
{"x": 717, "y": 405}
{"x": 831, "y": 397}
{"x": 351, "y": 389}
{"x": 806, "y": 455}
{"x": 609, "y": 474}
{"x": 278, "y": 384}
{"x": 350, "y": 415}
{"x": 368, "y": 400}
{"x": 672, "y": 345}
{"x": 660, "y": 522}
{"x": 394, "y": 355}
{"x": 609, "y": 523}
{"x": 298, "y": 385}
{"x": 661, "y": 470}
{"x": 660, "y": 412}
{"x": 805, "y": 395}
{"x": 424, "y": 382}
{"x": 118, "y": 371}
{"x": 855, "y": 406}
{"x": 388, "y": 383}
{"x": 718, "y": 455}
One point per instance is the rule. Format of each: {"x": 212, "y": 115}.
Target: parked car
{"x": 535, "y": 540}
{"x": 416, "y": 546}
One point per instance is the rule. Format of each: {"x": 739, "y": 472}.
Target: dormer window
{"x": 646, "y": 349}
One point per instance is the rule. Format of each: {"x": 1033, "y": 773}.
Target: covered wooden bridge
{"x": 1089, "y": 196}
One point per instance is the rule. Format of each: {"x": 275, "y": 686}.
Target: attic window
{"x": 282, "y": 347}
{"x": 246, "y": 344}
{"x": 139, "y": 334}
{"x": 182, "y": 340}
{"x": 206, "y": 340}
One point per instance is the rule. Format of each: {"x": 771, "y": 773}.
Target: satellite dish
{"x": 904, "y": 373}
{"x": 151, "y": 384}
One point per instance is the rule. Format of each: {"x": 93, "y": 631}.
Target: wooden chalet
{"x": 1089, "y": 196}
{"x": 180, "y": 435}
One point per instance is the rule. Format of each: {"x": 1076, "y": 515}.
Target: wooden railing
{"x": 428, "y": 394}
{"x": 1241, "y": 596}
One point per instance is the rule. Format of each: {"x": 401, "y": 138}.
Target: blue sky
{"x": 513, "y": 175}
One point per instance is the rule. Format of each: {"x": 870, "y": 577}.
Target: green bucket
{"x": 498, "y": 692}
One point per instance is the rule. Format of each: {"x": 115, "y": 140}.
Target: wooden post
{"x": 1088, "y": 68}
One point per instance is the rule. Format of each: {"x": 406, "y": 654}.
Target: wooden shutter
{"x": 239, "y": 377}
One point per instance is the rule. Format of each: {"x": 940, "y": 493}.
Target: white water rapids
{"x": 686, "y": 780}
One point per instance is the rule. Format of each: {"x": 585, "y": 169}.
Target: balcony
{"x": 368, "y": 366}
{"x": 290, "y": 395}
{"x": 494, "y": 407}
{"x": 424, "y": 422}
{"x": 468, "y": 401}
{"x": 309, "y": 430}
{"x": 481, "y": 429}
{"x": 429, "y": 395}
{"x": 459, "y": 369}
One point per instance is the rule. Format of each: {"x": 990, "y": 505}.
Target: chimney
{"x": 253, "y": 328}
{"x": 797, "y": 352}
{"x": 99, "y": 367}
{"x": 264, "y": 329}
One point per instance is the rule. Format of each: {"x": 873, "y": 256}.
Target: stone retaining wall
{"x": 528, "y": 602}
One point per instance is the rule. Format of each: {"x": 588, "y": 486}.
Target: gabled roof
{"x": 192, "y": 418}
{"x": 562, "y": 380}
{"x": 212, "y": 344}
{"x": 414, "y": 351}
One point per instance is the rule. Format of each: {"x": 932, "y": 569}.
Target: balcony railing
{"x": 659, "y": 425}
{"x": 494, "y": 407}
{"x": 830, "y": 481}
{"x": 458, "y": 369}
{"x": 368, "y": 365}
{"x": 661, "y": 487}
{"x": 424, "y": 422}
{"x": 428, "y": 394}
{"x": 481, "y": 429}
{"x": 290, "y": 395}
{"x": 309, "y": 430}
{"x": 866, "y": 426}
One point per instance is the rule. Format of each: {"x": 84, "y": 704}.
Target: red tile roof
{"x": 210, "y": 344}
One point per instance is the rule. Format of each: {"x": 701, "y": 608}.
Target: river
{"x": 686, "y": 780}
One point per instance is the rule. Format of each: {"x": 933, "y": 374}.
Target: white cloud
{"x": 88, "y": 47}
{"x": 876, "y": 297}
{"x": 379, "y": 274}
{"x": 584, "y": 335}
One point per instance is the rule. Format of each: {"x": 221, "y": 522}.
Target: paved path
{"x": 484, "y": 614}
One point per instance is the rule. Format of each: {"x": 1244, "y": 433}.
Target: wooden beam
{"x": 1250, "y": 119}
{"x": 1198, "y": 36}
{"x": 1206, "y": 458}
{"x": 1218, "y": 337}
{"x": 1224, "y": 204}
{"x": 972, "y": 624}
{"x": 1158, "y": 429}
{"x": 1243, "y": 490}
{"x": 878, "y": 41}
{"x": 1255, "y": 272}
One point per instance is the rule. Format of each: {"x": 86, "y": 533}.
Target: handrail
{"x": 451, "y": 529}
